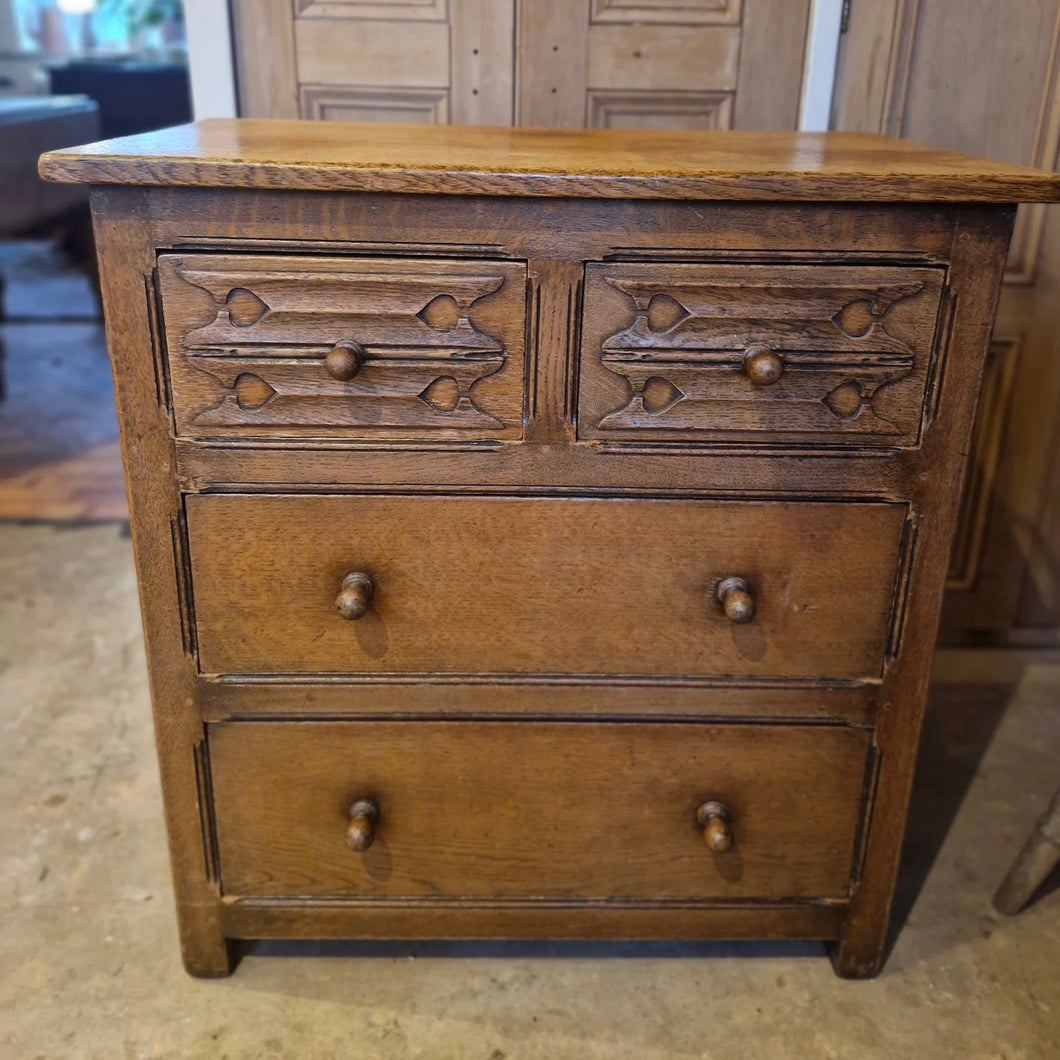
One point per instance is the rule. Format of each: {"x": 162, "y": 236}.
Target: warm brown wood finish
{"x": 500, "y": 810}
{"x": 767, "y": 354}
{"x": 278, "y": 346}
{"x": 347, "y": 156}
{"x": 715, "y": 818}
{"x": 564, "y": 658}
{"x": 513, "y": 585}
{"x": 362, "y": 818}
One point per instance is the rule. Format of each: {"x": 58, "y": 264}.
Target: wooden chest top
{"x": 599, "y": 163}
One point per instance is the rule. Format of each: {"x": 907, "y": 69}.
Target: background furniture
{"x": 133, "y": 96}
{"x": 30, "y": 125}
{"x": 1039, "y": 856}
{"x": 704, "y": 64}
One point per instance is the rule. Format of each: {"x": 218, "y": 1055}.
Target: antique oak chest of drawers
{"x": 541, "y": 534}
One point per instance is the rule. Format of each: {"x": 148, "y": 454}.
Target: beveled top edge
{"x": 599, "y": 163}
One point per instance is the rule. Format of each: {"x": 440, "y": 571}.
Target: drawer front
{"x": 550, "y": 810}
{"x": 539, "y": 586}
{"x": 346, "y": 347}
{"x": 757, "y": 354}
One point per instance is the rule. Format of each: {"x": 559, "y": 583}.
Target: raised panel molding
{"x": 659, "y": 110}
{"x": 888, "y": 32}
{"x": 680, "y": 12}
{"x": 333, "y": 103}
{"x": 412, "y": 10}
{"x": 977, "y": 497}
{"x": 363, "y": 51}
{"x": 1030, "y": 221}
{"x": 663, "y": 58}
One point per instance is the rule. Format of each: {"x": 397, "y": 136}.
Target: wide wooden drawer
{"x": 473, "y": 585}
{"x": 549, "y": 810}
{"x": 825, "y": 355}
{"x": 296, "y": 346}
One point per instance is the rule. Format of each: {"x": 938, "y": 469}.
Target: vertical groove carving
{"x": 906, "y": 553}
{"x": 182, "y": 573}
{"x": 940, "y": 350}
{"x": 533, "y": 332}
{"x": 570, "y": 381}
{"x": 159, "y": 359}
{"x": 868, "y": 801}
{"x": 207, "y": 825}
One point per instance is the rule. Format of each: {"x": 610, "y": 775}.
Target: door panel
{"x": 667, "y": 64}
{"x": 397, "y": 61}
{"x": 987, "y": 81}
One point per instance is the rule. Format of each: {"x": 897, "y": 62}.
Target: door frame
{"x": 211, "y": 61}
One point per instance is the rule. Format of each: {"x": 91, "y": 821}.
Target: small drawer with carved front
{"x": 300, "y": 346}
{"x": 809, "y": 355}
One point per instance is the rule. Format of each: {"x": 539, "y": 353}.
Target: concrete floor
{"x": 88, "y": 950}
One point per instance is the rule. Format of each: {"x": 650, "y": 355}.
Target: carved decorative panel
{"x": 660, "y": 110}
{"x": 679, "y": 12}
{"x": 439, "y": 345}
{"x": 413, "y": 10}
{"x": 978, "y": 494}
{"x": 854, "y": 345}
{"x": 332, "y": 103}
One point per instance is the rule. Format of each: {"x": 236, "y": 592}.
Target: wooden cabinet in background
{"x": 626, "y": 64}
{"x": 985, "y": 79}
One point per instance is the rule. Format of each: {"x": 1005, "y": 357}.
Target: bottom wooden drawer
{"x": 525, "y": 810}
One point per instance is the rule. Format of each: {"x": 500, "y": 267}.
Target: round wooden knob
{"x": 363, "y": 816}
{"x": 344, "y": 360}
{"x": 762, "y": 366}
{"x": 713, "y": 818}
{"x": 734, "y": 594}
{"x": 355, "y": 595}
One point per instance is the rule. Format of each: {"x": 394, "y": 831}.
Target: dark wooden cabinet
{"x": 541, "y": 534}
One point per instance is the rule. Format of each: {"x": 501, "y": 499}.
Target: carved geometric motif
{"x": 854, "y": 345}
{"x": 255, "y": 346}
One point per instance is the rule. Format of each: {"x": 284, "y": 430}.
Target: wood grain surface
{"x": 551, "y": 572}
{"x": 248, "y": 337}
{"x": 498, "y": 585}
{"x": 602, "y": 163}
{"x": 664, "y": 351}
{"x": 500, "y": 810}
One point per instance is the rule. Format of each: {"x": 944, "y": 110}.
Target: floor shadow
{"x": 531, "y": 949}
{"x": 959, "y": 725}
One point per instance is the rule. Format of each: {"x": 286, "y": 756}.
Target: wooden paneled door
{"x": 662, "y": 64}
{"x": 985, "y": 78}
{"x": 376, "y": 60}
{"x": 572, "y": 63}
